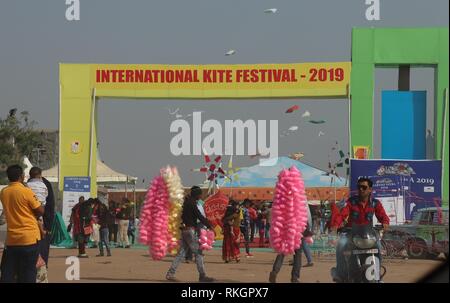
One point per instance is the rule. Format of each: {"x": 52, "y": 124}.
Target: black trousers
{"x": 44, "y": 248}
{"x": 245, "y": 232}
{"x": 113, "y": 230}
{"x": 19, "y": 264}
{"x": 252, "y": 230}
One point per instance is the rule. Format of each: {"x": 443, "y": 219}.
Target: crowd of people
{"x": 112, "y": 226}
{"x": 29, "y": 211}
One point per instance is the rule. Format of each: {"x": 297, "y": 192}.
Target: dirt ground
{"x": 134, "y": 265}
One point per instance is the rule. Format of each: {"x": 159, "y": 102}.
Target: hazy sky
{"x": 134, "y": 135}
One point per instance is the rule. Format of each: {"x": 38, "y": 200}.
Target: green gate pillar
{"x": 393, "y": 47}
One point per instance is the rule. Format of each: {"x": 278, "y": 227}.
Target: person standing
{"x": 124, "y": 220}
{"x": 321, "y": 213}
{"x": 268, "y": 221}
{"x": 48, "y": 217}
{"x": 253, "y": 218}
{"x": 113, "y": 226}
{"x": 262, "y": 225}
{"x": 297, "y": 263}
{"x": 39, "y": 188}
{"x": 200, "y": 205}
{"x": 231, "y": 233}
{"x": 85, "y": 224}
{"x": 245, "y": 226}
{"x": 315, "y": 212}
{"x": 21, "y": 208}
{"x": 102, "y": 215}
{"x": 74, "y": 221}
{"x": 131, "y": 230}
{"x": 48, "y": 202}
{"x": 189, "y": 238}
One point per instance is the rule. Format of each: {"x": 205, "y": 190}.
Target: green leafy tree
{"x": 17, "y": 139}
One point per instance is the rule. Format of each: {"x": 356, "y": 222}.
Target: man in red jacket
{"x": 359, "y": 210}
{"x": 253, "y": 217}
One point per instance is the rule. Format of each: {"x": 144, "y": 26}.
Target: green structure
{"x": 372, "y": 47}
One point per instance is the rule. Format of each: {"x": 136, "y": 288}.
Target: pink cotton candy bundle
{"x": 206, "y": 239}
{"x": 155, "y": 216}
{"x": 145, "y": 226}
{"x": 176, "y": 197}
{"x": 289, "y": 213}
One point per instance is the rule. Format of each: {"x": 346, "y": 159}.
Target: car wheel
{"x": 417, "y": 249}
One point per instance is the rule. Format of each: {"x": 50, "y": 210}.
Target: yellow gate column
{"x": 76, "y": 154}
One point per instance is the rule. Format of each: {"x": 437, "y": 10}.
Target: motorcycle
{"x": 361, "y": 254}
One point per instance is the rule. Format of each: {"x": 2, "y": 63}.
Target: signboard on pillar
{"x": 74, "y": 188}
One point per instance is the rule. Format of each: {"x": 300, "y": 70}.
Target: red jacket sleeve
{"x": 381, "y": 214}
{"x": 338, "y": 216}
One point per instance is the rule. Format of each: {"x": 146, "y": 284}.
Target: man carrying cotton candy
{"x": 289, "y": 219}
{"x": 297, "y": 261}
{"x": 189, "y": 238}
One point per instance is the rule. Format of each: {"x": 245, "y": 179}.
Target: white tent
{"x": 105, "y": 174}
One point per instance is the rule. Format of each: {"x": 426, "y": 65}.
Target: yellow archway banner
{"x": 82, "y": 84}
{"x": 221, "y": 81}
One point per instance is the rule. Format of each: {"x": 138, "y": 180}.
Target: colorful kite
{"x": 317, "y": 121}
{"x": 271, "y": 11}
{"x": 296, "y": 156}
{"x": 292, "y": 109}
{"x": 174, "y": 112}
{"x": 289, "y": 131}
{"x": 230, "y": 52}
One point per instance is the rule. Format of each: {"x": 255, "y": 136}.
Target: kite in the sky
{"x": 290, "y": 130}
{"x": 296, "y": 156}
{"x": 230, "y": 52}
{"x": 177, "y": 113}
{"x": 292, "y": 109}
{"x": 306, "y": 114}
{"x": 317, "y": 121}
{"x": 321, "y": 133}
{"x": 271, "y": 11}
{"x": 174, "y": 112}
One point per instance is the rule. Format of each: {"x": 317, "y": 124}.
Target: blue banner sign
{"x": 418, "y": 182}
{"x": 77, "y": 184}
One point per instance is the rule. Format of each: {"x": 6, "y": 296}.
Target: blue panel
{"x": 403, "y": 124}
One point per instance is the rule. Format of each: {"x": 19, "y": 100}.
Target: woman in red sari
{"x": 231, "y": 233}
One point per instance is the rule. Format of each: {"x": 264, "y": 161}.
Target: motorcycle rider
{"x": 359, "y": 210}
